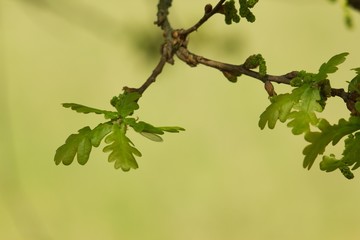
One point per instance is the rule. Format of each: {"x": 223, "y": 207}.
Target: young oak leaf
{"x": 279, "y": 109}
{"x": 76, "y": 144}
{"x": 99, "y": 132}
{"x": 121, "y": 149}
{"x": 149, "y": 131}
{"x": 140, "y": 126}
{"x": 126, "y": 103}
{"x": 330, "y": 66}
{"x": 304, "y": 114}
{"x": 350, "y": 157}
{"x": 171, "y": 129}
{"x": 301, "y": 121}
{"x": 84, "y": 109}
{"x": 152, "y": 136}
{"x": 330, "y": 163}
{"x": 354, "y": 84}
{"x": 80, "y": 144}
{"x": 155, "y": 137}
{"x": 351, "y": 153}
{"x": 145, "y": 129}
{"x": 329, "y": 134}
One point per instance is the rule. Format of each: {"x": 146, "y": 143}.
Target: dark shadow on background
{"x": 80, "y": 15}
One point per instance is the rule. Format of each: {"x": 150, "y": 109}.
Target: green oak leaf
{"x": 304, "y": 114}
{"x": 350, "y": 157}
{"x": 330, "y": 66}
{"x": 84, "y": 109}
{"x": 84, "y": 149}
{"x": 357, "y": 70}
{"x": 171, "y": 129}
{"x": 140, "y": 126}
{"x": 301, "y": 121}
{"x": 354, "y": 84}
{"x": 279, "y": 109}
{"x": 121, "y": 148}
{"x": 76, "y": 144}
{"x": 99, "y": 132}
{"x": 330, "y": 163}
{"x": 126, "y": 103}
{"x": 80, "y": 144}
{"x": 152, "y": 136}
{"x": 149, "y": 131}
{"x": 351, "y": 153}
{"x": 328, "y": 134}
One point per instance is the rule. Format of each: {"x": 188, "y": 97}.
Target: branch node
{"x": 187, "y": 57}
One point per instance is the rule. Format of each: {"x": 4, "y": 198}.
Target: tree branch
{"x": 237, "y": 70}
{"x": 176, "y": 41}
{"x": 167, "y": 51}
{"x": 209, "y": 12}
{"x": 156, "y": 72}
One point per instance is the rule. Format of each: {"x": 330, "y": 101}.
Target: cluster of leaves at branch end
{"x": 232, "y": 14}
{"x": 121, "y": 149}
{"x": 300, "y": 108}
{"x": 308, "y": 97}
{"x": 333, "y": 134}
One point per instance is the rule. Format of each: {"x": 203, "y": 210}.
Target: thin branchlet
{"x": 207, "y": 15}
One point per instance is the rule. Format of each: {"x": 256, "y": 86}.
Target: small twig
{"x": 167, "y": 51}
{"x": 162, "y": 13}
{"x": 207, "y": 15}
{"x": 156, "y": 72}
{"x": 162, "y": 18}
{"x": 236, "y": 70}
{"x": 340, "y": 92}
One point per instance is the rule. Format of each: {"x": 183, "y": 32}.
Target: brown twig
{"x": 193, "y": 60}
{"x": 156, "y": 72}
{"x": 167, "y": 51}
{"x": 209, "y": 12}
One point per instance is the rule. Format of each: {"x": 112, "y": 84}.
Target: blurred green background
{"x": 223, "y": 178}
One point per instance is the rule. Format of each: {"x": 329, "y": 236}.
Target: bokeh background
{"x": 223, "y": 178}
